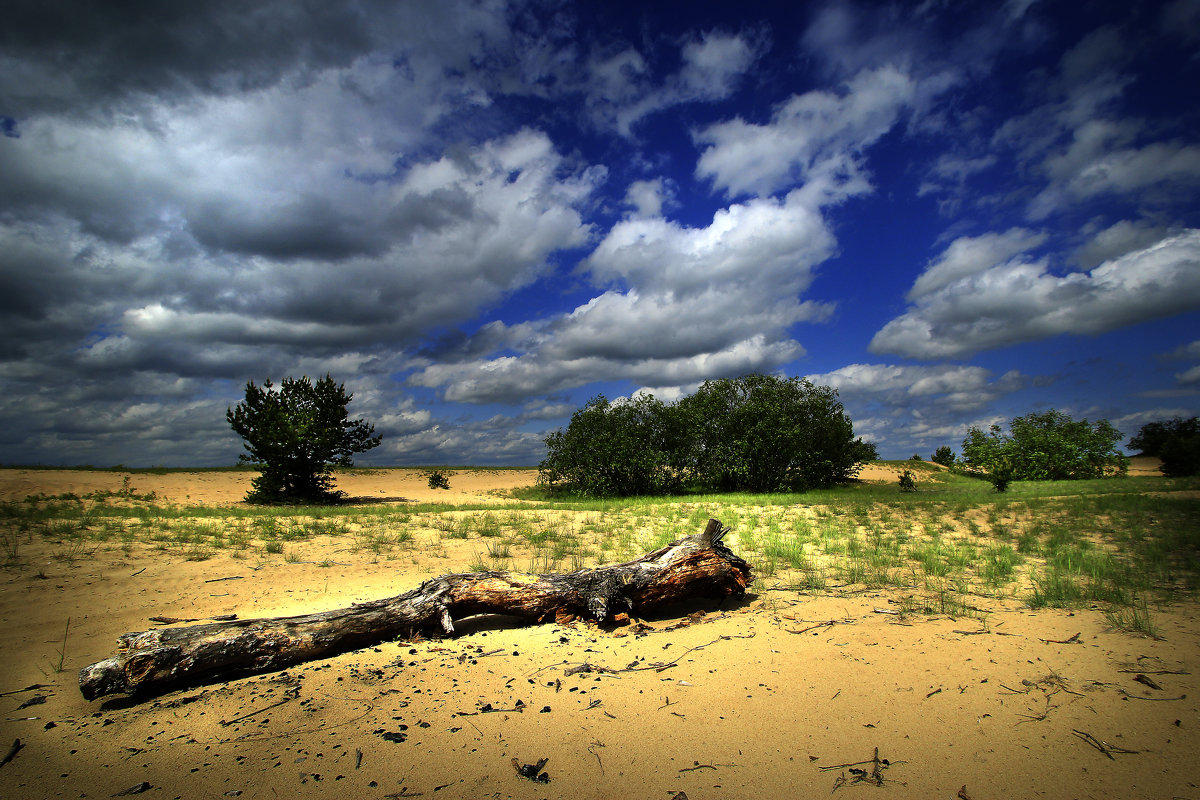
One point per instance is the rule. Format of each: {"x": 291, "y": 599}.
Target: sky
{"x": 479, "y": 215}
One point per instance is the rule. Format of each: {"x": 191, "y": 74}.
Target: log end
{"x": 713, "y": 534}
{"x": 103, "y": 678}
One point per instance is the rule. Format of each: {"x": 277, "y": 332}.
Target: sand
{"x": 780, "y": 695}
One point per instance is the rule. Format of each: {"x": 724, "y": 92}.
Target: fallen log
{"x": 151, "y": 662}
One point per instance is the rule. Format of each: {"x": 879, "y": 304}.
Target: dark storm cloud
{"x": 84, "y": 55}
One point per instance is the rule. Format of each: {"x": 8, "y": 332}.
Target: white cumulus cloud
{"x": 1019, "y": 301}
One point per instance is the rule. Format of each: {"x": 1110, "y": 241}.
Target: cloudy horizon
{"x": 478, "y": 215}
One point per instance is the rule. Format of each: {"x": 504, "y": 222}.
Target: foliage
{"x": 1176, "y": 441}
{"x": 621, "y": 448}
{"x": 1047, "y": 446}
{"x": 908, "y": 481}
{"x": 755, "y": 433}
{"x": 1181, "y": 456}
{"x": 944, "y": 456}
{"x": 438, "y": 479}
{"x": 1000, "y": 473}
{"x": 1154, "y": 436}
{"x": 763, "y": 433}
{"x": 296, "y": 434}
{"x": 915, "y": 457}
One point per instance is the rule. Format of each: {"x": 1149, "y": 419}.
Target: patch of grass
{"x": 1134, "y": 618}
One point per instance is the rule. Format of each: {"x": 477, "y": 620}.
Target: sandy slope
{"x": 759, "y": 697}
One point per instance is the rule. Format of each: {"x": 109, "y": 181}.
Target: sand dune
{"x": 782, "y": 695}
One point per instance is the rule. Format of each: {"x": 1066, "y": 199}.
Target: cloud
{"x": 1096, "y": 164}
{"x": 1118, "y": 239}
{"x": 949, "y": 388}
{"x": 79, "y": 57}
{"x": 1189, "y": 376}
{"x": 1020, "y": 301}
{"x": 817, "y": 137}
{"x": 486, "y": 219}
{"x": 648, "y": 197}
{"x": 905, "y": 408}
{"x": 622, "y": 89}
{"x": 972, "y": 254}
{"x": 687, "y": 304}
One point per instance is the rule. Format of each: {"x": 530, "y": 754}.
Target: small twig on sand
{"x": 1140, "y": 678}
{"x": 12, "y": 752}
{"x": 257, "y": 711}
{"x": 597, "y": 743}
{"x": 1073, "y": 640}
{"x": 1102, "y": 746}
{"x": 875, "y": 776}
{"x": 1039, "y": 717}
{"x": 827, "y": 624}
{"x": 588, "y": 667}
{"x": 1150, "y": 665}
{"x": 1133, "y": 696}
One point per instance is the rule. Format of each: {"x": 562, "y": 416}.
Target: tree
{"x": 296, "y": 434}
{"x": 755, "y": 433}
{"x": 1047, "y": 446}
{"x": 764, "y": 433}
{"x": 1176, "y": 441}
{"x": 1181, "y": 456}
{"x": 622, "y": 448}
{"x": 944, "y": 456}
{"x": 1153, "y": 436}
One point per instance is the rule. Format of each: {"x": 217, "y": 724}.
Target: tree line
{"x": 756, "y": 433}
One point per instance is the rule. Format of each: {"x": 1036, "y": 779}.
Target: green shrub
{"x": 1181, "y": 457}
{"x": 296, "y": 434}
{"x": 1048, "y": 446}
{"x": 763, "y": 433}
{"x": 438, "y": 479}
{"x": 1155, "y": 436}
{"x": 944, "y": 456}
{"x": 621, "y": 448}
{"x": 908, "y": 482}
{"x": 756, "y": 433}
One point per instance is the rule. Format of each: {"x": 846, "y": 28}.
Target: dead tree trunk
{"x": 154, "y": 661}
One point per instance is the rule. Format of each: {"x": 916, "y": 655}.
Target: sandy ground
{"x": 782, "y": 695}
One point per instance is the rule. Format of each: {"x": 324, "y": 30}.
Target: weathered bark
{"x": 154, "y": 661}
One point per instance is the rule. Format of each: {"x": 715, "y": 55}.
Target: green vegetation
{"x": 438, "y": 479}
{"x": 757, "y": 433}
{"x": 944, "y": 456}
{"x": 296, "y": 435}
{"x": 951, "y": 548}
{"x": 1045, "y": 447}
{"x": 1175, "y": 441}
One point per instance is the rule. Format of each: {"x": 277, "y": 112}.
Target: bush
{"x": 1000, "y": 474}
{"x": 908, "y": 481}
{"x": 1048, "y": 446}
{"x": 296, "y": 434}
{"x": 755, "y": 433}
{"x": 944, "y": 456}
{"x": 1181, "y": 457}
{"x": 438, "y": 479}
{"x": 621, "y": 448}
{"x": 915, "y": 457}
{"x": 1175, "y": 441}
{"x": 1154, "y": 436}
{"x": 762, "y": 433}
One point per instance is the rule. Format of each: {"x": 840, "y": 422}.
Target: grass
{"x": 1123, "y": 543}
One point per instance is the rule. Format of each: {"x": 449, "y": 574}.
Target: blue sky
{"x": 478, "y": 215}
